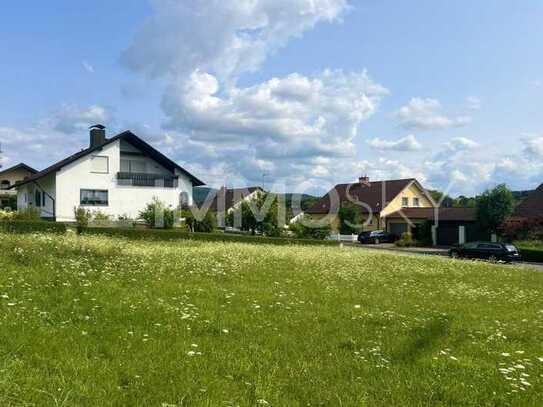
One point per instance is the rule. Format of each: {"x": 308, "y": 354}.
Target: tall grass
{"x": 95, "y": 320}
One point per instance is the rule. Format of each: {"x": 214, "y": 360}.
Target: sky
{"x": 297, "y": 95}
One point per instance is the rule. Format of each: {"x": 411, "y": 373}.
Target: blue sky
{"x": 305, "y": 93}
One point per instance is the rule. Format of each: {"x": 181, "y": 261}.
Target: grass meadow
{"x": 97, "y": 321}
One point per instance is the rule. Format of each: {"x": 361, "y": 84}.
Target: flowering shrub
{"x": 160, "y": 234}
{"x": 407, "y": 241}
{"x": 302, "y": 231}
{"x": 6, "y": 215}
{"x": 205, "y": 225}
{"x": 82, "y": 218}
{"x": 30, "y": 226}
{"x": 157, "y": 215}
{"x": 32, "y": 214}
{"x": 523, "y": 229}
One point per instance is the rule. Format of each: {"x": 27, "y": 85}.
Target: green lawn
{"x": 95, "y": 321}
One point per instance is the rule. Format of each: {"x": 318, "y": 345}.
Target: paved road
{"x": 431, "y": 251}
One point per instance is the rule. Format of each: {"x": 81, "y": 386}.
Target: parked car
{"x": 376, "y": 237}
{"x": 486, "y": 250}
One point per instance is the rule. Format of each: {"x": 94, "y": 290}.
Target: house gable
{"x": 411, "y": 193}
{"x": 17, "y": 173}
{"x": 117, "y": 177}
{"x": 136, "y": 160}
{"x": 368, "y": 196}
{"x": 132, "y": 139}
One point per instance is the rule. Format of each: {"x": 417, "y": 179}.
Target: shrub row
{"x": 169, "y": 234}
{"x": 530, "y": 250}
{"x": 29, "y": 226}
{"x": 531, "y": 255}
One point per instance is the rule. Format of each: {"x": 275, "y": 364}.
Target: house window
{"x": 416, "y": 202}
{"x": 100, "y": 164}
{"x": 5, "y": 184}
{"x": 133, "y": 166}
{"x": 405, "y": 202}
{"x": 37, "y": 198}
{"x": 125, "y": 165}
{"x": 94, "y": 197}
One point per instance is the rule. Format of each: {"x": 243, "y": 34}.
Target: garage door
{"x": 447, "y": 235}
{"x": 397, "y": 228}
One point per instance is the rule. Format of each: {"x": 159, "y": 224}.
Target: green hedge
{"x": 530, "y": 250}
{"x": 29, "y": 226}
{"x": 161, "y": 234}
{"x": 531, "y": 255}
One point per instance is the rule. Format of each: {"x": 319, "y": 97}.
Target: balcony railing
{"x": 134, "y": 179}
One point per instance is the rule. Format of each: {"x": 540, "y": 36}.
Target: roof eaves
{"x": 127, "y": 134}
{"x": 18, "y": 166}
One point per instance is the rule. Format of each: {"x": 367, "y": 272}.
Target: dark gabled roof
{"x": 126, "y": 136}
{"x": 444, "y": 214}
{"x": 531, "y": 206}
{"x": 232, "y": 196}
{"x": 376, "y": 195}
{"x": 20, "y": 166}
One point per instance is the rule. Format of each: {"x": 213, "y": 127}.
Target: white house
{"x": 227, "y": 200}
{"x": 8, "y": 178}
{"x": 117, "y": 176}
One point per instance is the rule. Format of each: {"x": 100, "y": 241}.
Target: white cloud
{"x": 70, "y": 119}
{"x": 425, "y": 114}
{"x": 407, "y": 143}
{"x": 51, "y": 138}
{"x": 469, "y": 167}
{"x": 4, "y": 160}
{"x": 299, "y": 129}
{"x": 37, "y": 146}
{"x": 533, "y": 146}
{"x": 329, "y": 106}
{"x": 282, "y": 126}
{"x": 87, "y": 67}
{"x": 461, "y": 144}
{"x": 473, "y": 103}
{"x": 222, "y": 37}
{"x": 458, "y": 174}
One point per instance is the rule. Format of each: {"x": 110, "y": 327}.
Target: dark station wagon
{"x": 486, "y": 250}
{"x": 376, "y": 237}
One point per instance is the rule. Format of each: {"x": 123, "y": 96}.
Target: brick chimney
{"x": 97, "y": 135}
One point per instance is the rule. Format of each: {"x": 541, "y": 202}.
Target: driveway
{"x": 431, "y": 251}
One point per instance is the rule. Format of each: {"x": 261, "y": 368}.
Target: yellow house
{"x": 375, "y": 200}
{"x": 8, "y": 178}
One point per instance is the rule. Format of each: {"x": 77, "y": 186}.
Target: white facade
{"x": 65, "y": 186}
{"x": 221, "y": 222}
{"x": 27, "y": 197}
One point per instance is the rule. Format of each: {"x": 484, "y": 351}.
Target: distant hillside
{"x": 306, "y": 202}
{"x": 520, "y": 195}
{"x": 199, "y": 195}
